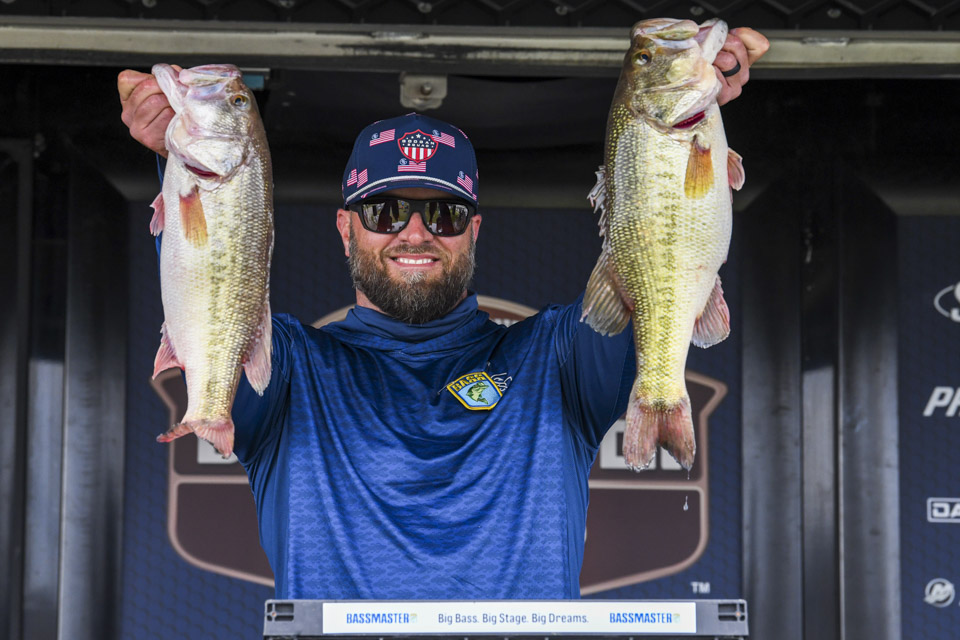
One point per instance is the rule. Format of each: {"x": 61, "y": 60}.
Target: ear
{"x": 475, "y": 226}
{"x": 343, "y": 225}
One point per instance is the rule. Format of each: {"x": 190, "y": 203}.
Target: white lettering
{"x": 952, "y": 411}
{"x": 700, "y": 587}
{"x": 939, "y": 398}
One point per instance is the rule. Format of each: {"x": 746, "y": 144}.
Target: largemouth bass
{"x": 665, "y": 216}
{"x": 216, "y": 214}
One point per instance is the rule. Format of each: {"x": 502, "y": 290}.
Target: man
{"x": 416, "y": 449}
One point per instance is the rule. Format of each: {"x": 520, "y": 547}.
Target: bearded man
{"x": 417, "y": 450}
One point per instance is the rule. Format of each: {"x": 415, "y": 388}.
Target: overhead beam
{"x": 529, "y": 51}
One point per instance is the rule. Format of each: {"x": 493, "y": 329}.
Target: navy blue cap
{"x": 411, "y": 151}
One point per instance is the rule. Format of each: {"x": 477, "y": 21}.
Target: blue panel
{"x": 929, "y": 357}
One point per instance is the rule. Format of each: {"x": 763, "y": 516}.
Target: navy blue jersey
{"x": 446, "y": 460}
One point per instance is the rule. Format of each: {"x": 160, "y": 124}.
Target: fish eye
{"x": 641, "y": 57}
{"x": 240, "y": 100}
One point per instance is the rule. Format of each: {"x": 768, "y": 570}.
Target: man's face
{"x": 413, "y": 275}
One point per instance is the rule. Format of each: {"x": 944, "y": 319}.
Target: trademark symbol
{"x": 700, "y": 587}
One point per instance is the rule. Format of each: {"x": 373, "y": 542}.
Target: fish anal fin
{"x": 166, "y": 356}
{"x": 156, "y": 222}
{"x": 192, "y": 220}
{"x": 713, "y": 323}
{"x": 699, "y": 176}
{"x": 735, "y": 173}
{"x": 257, "y": 364}
{"x": 648, "y": 425}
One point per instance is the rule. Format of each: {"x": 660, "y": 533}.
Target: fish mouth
{"x": 691, "y": 121}
{"x": 201, "y": 173}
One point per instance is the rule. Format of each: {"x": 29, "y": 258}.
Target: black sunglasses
{"x": 391, "y": 215}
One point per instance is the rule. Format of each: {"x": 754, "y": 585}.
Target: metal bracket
{"x": 422, "y": 92}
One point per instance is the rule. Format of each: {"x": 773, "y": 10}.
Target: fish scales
{"x": 664, "y": 197}
{"x": 216, "y": 213}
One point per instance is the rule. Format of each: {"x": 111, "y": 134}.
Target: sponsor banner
{"x": 943, "y": 510}
{"x": 928, "y": 336}
{"x": 504, "y": 617}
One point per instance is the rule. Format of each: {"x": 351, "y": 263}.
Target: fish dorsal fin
{"x": 735, "y": 173}
{"x": 604, "y": 308}
{"x": 699, "y": 177}
{"x": 192, "y": 220}
{"x": 713, "y": 324}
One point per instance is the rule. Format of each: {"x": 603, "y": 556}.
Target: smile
{"x": 409, "y": 261}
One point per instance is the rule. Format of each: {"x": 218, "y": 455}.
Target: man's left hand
{"x": 743, "y": 47}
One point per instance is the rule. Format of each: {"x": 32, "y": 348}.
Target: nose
{"x": 415, "y": 232}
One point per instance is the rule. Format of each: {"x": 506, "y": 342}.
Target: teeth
{"x": 409, "y": 261}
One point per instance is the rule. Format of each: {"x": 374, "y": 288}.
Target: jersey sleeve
{"x": 596, "y": 373}
{"x": 256, "y": 418}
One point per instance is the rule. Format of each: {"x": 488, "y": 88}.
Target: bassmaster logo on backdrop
{"x": 947, "y": 302}
{"x": 212, "y": 519}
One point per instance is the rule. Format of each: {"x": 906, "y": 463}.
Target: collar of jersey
{"x": 372, "y": 328}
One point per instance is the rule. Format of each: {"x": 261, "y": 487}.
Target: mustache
{"x": 412, "y": 250}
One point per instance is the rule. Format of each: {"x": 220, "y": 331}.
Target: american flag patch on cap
{"x": 383, "y": 136}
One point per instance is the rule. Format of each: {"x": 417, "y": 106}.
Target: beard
{"x": 413, "y": 298}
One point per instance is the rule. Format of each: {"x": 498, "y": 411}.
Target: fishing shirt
{"x": 440, "y": 461}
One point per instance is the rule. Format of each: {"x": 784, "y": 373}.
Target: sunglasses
{"x": 391, "y": 215}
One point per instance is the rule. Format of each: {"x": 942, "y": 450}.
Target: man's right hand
{"x": 146, "y": 110}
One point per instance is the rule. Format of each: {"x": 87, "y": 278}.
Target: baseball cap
{"x": 411, "y": 151}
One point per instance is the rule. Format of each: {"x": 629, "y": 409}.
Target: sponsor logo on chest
{"x": 476, "y": 391}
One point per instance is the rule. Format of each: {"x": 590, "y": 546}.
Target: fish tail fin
{"x": 216, "y": 431}
{"x": 668, "y": 426}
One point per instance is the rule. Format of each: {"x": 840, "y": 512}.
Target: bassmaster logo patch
{"x": 476, "y": 391}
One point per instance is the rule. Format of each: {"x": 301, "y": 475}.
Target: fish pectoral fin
{"x": 735, "y": 173}
{"x": 192, "y": 220}
{"x": 156, "y": 222}
{"x": 713, "y": 323}
{"x": 257, "y": 363}
{"x": 604, "y": 307}
{"x": 699, "y": 176}
{"x": 166, "y": 356}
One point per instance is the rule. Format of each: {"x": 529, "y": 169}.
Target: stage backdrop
{"x": 192, "y": 569}
{"x": 929, "y": 388}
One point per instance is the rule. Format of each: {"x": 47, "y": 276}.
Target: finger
{"x": 726, "y": 60}
{"x": 755, "y": 43}
{"x": 143, "y": 103}
{"x": 127, "y": 81}
{"x": 148, "y": 110}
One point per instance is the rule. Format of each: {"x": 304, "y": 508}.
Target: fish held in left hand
{"x": 665, "y": 216}
{"x": 216, "y": 215}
